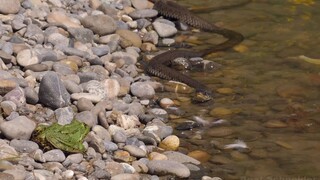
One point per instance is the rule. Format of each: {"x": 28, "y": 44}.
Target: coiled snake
{"x": 158, "y": 65}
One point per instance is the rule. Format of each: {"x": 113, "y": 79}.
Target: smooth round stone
{"x": 112, "y": 87}
{"x": 164, "y": 29}
{"x": 143, "y": 13}
{"x": 8, "y": 107}
{"x": 220, "y": 132}
{"x": 142, "y": 90}
{"x": 220, "y": 111}
{"x": 199, "y": 155}
{"x": 224, "y": 90}
{"x": 68, "y": 174}
{"x": 178, "y": 87}
{"x": 164, "y": 167}
{"x": 219, "y": 159}
{"x": 238, "y": 156}
{"x": 166, "y": 102}
{"x": 18, "y": 128}
{"x": 27, "y": 57}
{"x": 7, "y": 86}
{"x": 180, "y": 157}
{"x": 59, "y": 17}
{"x": 159, "y": 112}
{"x": 84, "y": 104}
{"x": 275, "y": 124}
{"x": 126, "y": 176}
{"x": 24, "y": 146}
{"x": 9, "y": 7}
{"x": 135, "y": 151}
{"x": 170, "y": 143}
{"x": 123, "y": 156}
{"x": 110, "y": 146}
{"x": 72, "y": 87}
{"x": 140, "y": 4}
{"x": 124, "y": 56}
{"x": 119, "y": 137}
{"x": 17, "y": 96}
{"x": 74, "y": 158}
{"x": 100, "y": 24}
{"x": 157, "y": 156}
{"x": 101, "y": 132}
{"x": 55, "y": 155}
{"x": 130, "y": 36}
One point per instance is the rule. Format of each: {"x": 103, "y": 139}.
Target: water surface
{"x": 273, "y": 100}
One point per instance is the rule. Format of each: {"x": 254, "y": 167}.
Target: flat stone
{"x": 55, "y": 155}
{"x": 180, "y": 157}
{"x": 165, "y": 167}
{"x": 100, "y": 24}
{"x": 9, "y": 7}
{"x": 7, "y": 151}
{"x": 24, "y": 146}
{"x": 143, "y": 13}
{"x": 18, "y": 128}
{"x": 52, "y": 92}
{"x": 60, "y": 17}
{"x": 135, "y": 151}
{"x": 92, "y": 97}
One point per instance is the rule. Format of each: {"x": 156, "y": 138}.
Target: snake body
{"x": 158, "y": 65}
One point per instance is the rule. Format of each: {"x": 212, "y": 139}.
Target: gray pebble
{"x": 110, "y": 146}
{"x": 16, "y": 96}
{"x": 52, "y": 92}
{"x": 142, "y": 90}
{"x": 143, "y": 13}
{"x": 24, "y": 146}
{"x": 87, "y": 117}
{"x": 64, "y": 115}
{"x": 84, "y": 105}
{"x": 164, "y": 167}
{"x": 135, "y": 151}
{"x": 100, "y": 24}
{"x": 55, "y": 155}
{"x": 119, "y": 137}
{"x": 18, "y": 128}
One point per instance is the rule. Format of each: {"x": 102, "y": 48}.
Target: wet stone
{"x": 180, "y": 157}
{"x": 164, "y": 167}
{"x": 220, "y": 132}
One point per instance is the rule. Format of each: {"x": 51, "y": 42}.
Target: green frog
{"x": 68, "y": 138}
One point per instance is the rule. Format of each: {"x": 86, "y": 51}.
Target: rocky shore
{"x": 65, "y": 59}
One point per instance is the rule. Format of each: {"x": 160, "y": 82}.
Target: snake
{"x": 159, "y": 64}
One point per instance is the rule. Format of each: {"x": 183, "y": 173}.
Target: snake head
{"x": 202, "y": 96}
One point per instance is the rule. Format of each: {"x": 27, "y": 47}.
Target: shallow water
{"x": 272, "y": 103}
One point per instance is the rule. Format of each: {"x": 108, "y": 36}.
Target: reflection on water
{"x": 268, "y": 96}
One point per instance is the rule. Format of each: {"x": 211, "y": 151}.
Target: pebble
{"x": 220, "y": 111}
{"x": 129, "y": 36}
{"x": 171, "y": 142}
{"x": 100, "y": 24}
{"x": 199, "y": 155}
{"x": 24, "y": 146}
{"x": 162, "y": 167}
{"x": 20, "y": 127}
{"x": 9, "y": 7}
{"x": 6, "y": 86}
{"x": 142, "y": 90}
{"x": 8, "y": 107}
{"x": 135, "y": 151}
{"x": 16, "y": 96}
{"x": 143, "y": 13}
{"x": 164, "y": 30}
{"x": 166, "y": 102}
{"x": 52, "y": 92}
{"x": 55, "y": 155}
{"x": 7, "y": 151}
{"x": 59, "y": 17}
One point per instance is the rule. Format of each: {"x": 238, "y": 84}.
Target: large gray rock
{"x": 18, "y": 128}
{"x": 52, "y": 92}
{"x": 100, "y": 24}
{"x": 165, "y": 167}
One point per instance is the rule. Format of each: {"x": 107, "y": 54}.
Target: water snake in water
{"x": 158, "y": 65}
